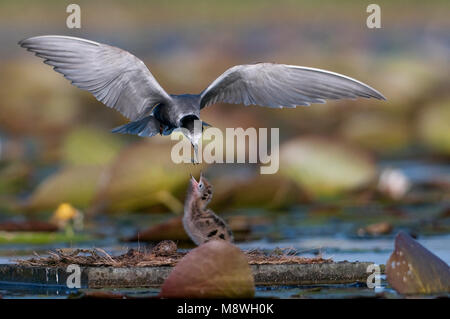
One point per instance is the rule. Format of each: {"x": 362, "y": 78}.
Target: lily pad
{"x": 324, "y": 167}
{"x": 28, "y": 226}
{"x": 382, "y": 133}
{"x": 36, "y": 100}
{"x": 143, "y": 175}
{"x": 171, "y": 229}
{"x": 89, "y": 146}
{"x": 263, "y": 191}
{"x": 413, "y": 269}
{"x": 74, "y": 185}
{"x": 14, "y": 177}
{"x": 216, "y": 269}
{"x": 408, "y": 80}
{"x": 381, "y": 228}
{"x": 41, "y": 238}
{"x": 434, "y": 128}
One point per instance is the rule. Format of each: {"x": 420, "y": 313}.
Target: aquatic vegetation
{"x": 216, "y": 269}
{"x": 173, "y": 229}
{"x": 324, "y": 168}
{"x": 434, "y": 128}
{"x": 353, "y": 173}
{"x": 75, "y": 185}
{"x": 41, "y": 238}
{"x": 413, "y": 269}
{"x": 89, "y": 146}
{"x": 14, "y": 177}
{"x": 142, "y": 176}
{"x": 383, "y": 133}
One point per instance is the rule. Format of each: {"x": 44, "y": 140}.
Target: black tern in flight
{"x": 121, "y": 81}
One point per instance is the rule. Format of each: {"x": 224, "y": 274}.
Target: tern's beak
{"x": 195, "y": 138}
{"x": 195, "y": 153}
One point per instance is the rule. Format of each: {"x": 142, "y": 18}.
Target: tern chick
{"x": 201, "y": 223}
{"x": 121, "y": 81}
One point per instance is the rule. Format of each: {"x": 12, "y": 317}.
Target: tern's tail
{"x": 147, "y": 126}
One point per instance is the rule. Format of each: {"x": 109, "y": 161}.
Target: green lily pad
{"x": 408, "y": 80}
{"x": 36, "y": 100}
{"x": 434, "y": 127}
{"x": 14, "y": 177}
{"x": 89, "y": 146}
{"x": 74, "y": 185}
{"x": 41, "y": 238}
{"x": 262, "y": 191}
{"x": 325, "y": 168}
{"x": 143, "y": 175}
{"x": 382, "y": 133}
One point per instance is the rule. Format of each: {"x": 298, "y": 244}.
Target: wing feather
{"x": 281, "y": 85}
{"x": 114, "y": 76}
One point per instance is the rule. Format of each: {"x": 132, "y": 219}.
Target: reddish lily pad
{"x": 377, "y": 229}
{"x": 216, "y": 269}
{"x": 27, "y": 226}
{"x": 171, "y": 229}
{"x": 413, "y": 269}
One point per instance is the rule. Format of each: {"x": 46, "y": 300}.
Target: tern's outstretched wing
{"x": 114, "y": 76}
{"x": 281, "y": 85}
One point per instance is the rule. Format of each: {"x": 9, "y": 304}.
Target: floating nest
{"x": 164, "y": 253}
{"x": 280, "y": 256}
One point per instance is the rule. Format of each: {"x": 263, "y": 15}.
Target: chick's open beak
{"x": 193, "y": 181}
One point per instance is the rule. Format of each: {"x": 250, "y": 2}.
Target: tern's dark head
{"x": 193, "y": 130}
{"x": 188, "y": 122}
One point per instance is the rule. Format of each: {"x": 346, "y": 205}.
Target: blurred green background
{"x": 55, "y": 141}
